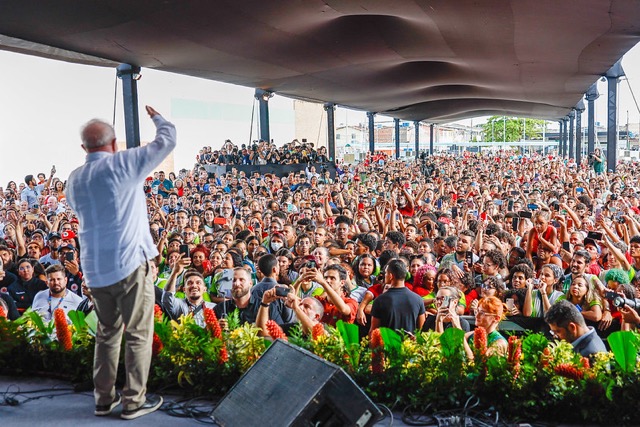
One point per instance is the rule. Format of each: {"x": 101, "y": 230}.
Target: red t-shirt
{"x": 332, "y": 314}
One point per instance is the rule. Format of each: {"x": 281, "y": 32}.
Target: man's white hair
{"x": 96, "y": 133}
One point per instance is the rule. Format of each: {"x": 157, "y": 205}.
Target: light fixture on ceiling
{"x": 128, "y": 70}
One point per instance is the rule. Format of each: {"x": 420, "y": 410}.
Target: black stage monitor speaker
{"x": 289, "y": 386}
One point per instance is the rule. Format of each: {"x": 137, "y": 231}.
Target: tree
{"x": 493, "y": 129}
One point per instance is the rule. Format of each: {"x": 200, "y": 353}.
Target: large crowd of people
{"x": 442, "y": 241}
{"x": 262, "y": 153}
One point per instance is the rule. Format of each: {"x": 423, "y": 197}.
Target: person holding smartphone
{"x": 446, "y": 316}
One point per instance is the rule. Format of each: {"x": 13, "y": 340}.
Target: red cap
{"x": 68, "y": 235}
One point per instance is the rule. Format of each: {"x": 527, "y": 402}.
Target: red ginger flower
{"x": 567, "y": 370}
{"x": 157, "y": 312}
{"x": 211, "y": 320}
{"x": 585, "y": 363}
{"x": 514, "y": 350}
{"x": 223, "y": 355}
{"x": 157, "y": 345}
{"x": 377, "y": 352}
{"x": 62, "y": 329}
{"x": 275, "y": 331}
{"x": 317, "y": 331}
{"x": 480, "y": 340}
{"x": 3, "y": 313}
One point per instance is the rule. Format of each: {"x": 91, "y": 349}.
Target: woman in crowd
{"x": 584, "y": 296}
{"x": 364, "y": 276}
{"x": 287, "y": 275}
{"x": 27, "y": 285}
{"x": 488, "y": 316}
{"x": 542, "y": 292}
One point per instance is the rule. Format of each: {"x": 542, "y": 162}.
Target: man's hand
{"x": 629, "y": 315}
{"x": 152, "y": 113}
{"x": 181, "y": 264}
{"x": 606, "y": 320}
{"x": 269, "y": 296}
{"x": 72, "y": 267}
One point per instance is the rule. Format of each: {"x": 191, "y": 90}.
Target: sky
{"x": 45, "y": 102}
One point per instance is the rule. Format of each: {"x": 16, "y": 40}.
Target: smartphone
{"x": 510, "y": 206}
{"x": 514, "y": 223}
{"x": 468, "y": 258}
{"x": 514, "y": 192}
{"x": 439, "y": 204}
{"x": 498, "y": 202}
{"x": 184, "y": 249}
{"x": 282, "y": 291}
{"x": 555, "y": 223}
{"x": 474, "y": 213}
{"x": 68, "y": 256}
{"x": 569, "y": 223}
{"x": 579, "y": 190}
{"x": 454, "y": 212}
{"x": 566, "y": 246}
{"x": 483, "y": 216}
{"x": 524, "y": 214}
{"x": 360, "y": 206}
{"x": 532, "y": 206}
{"x": 598, "y": 213}
{"x": 31, "y": 217}
{"x": 510, "y": 304}
{"x": 597, "y": 236}
{"x": 220, "y": 221}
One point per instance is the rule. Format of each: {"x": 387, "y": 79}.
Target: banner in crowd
{"x": 276, "y": 169}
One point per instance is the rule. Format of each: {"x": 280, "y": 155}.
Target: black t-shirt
{"x": 398, "y": 308}
{"x": 246, "y": 315}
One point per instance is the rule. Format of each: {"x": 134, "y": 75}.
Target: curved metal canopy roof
{"x": 438, "y": 60}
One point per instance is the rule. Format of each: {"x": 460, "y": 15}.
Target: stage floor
{"x": 46, "y": 402}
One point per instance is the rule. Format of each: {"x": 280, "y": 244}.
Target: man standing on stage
{"x": 107, "y": 194}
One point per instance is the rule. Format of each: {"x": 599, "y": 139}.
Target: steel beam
{"x": 572, "y": 116}
{"x": 579, "y": 110}
{"x": 591, "y": 95}
{"x": 372, "y": 133}
{"x": 331, "y": 129}
{"x": 612, "y": 75}
{"x": 396, "y": 126}
{"x": 130, "y": 74}
{"x": 416, "y": 125}
{"x": 431, "y": 139}
{"x": 263, "y": 97}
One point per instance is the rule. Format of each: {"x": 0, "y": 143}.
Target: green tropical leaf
{"x": 391, "y": 339}
{"x": 37, "y": 320}
{"x": 609, "y": 390}
{"x": 451, "y": 341}
{"x": 91, "y": 320}
{"x": 78, "y": 320}
{"x": 532, "y": 347}
{"x": 349, "y": 333}
{"x": 624, "y": 345}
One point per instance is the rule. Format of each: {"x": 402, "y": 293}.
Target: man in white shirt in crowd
{"x": 57, "y": 296}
